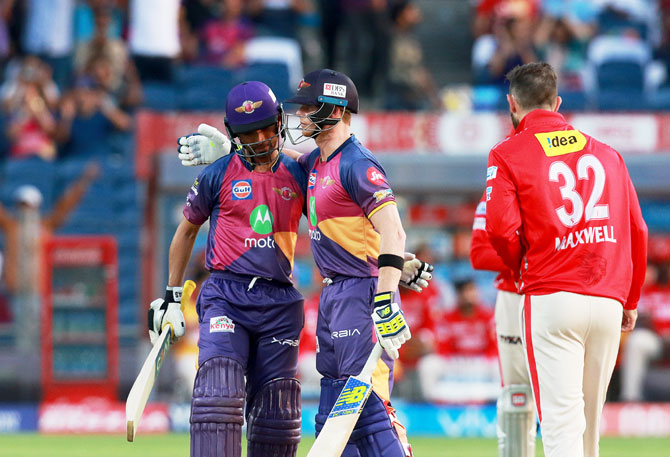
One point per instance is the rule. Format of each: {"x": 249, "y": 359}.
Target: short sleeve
{"x": 367, "y": 185}
{"x": 200, "y": 199}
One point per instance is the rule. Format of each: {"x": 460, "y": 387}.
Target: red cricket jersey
{"x": 482, "y": 254}
{"x": 457, "y": 334}
{"x": 562, "y": 210}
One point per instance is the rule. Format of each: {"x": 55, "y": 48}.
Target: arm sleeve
{"x": 638, "y": 245}
{"x": 365, "y": 181}
{"x": 503, "y": 217}
{"x": 200, "y": 199}
{"x": 482, "y": 254}
{"x": 305, "y": 162}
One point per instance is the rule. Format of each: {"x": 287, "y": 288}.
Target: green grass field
{"x": 177, "y": 445}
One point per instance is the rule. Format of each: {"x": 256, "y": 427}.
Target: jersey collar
{"x": 540, "y": 117}
{"x": 352, "y": 139}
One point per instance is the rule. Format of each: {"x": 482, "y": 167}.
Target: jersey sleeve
{"x": 482, "y": 254}
{"x": 366, "y": 183}
{"x": 200, "y": 199}
{"x": 503, "y": 216}
{"x": 638, "y": 244}
{"x": 306, "y": 161}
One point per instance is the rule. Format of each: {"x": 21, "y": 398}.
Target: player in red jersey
{"x": 517, "y": 424}
{"x": 563, "y": 213}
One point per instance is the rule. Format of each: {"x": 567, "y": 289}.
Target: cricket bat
{"x": 139, "y": 393}
{"x": 344, "y": 415}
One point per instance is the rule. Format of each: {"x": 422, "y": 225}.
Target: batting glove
{"x": 390, "y": 326}
{"x": 166, "y": 312}
{"x": 415, "y": 273}
{"x": 203, "y": 147}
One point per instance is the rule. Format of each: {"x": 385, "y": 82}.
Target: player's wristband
{"x": 383, "y": 299}
{"x": 390, "y": 260}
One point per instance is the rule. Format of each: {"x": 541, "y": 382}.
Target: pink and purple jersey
{"x": 342, "y": 194}
{"x": 253, "y": 216}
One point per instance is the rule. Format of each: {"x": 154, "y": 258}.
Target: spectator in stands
{"x": 488, "y": 11}
{"x": 465, "y": 366}
{"x": 88, "y": 114}
{"x": 154, "y": 38}
{"x": 410, "y": 85}
{"x": 650, "y": 340}
{"x": 48, "y": 34}
{"x": 28, "y": 98}
{"x": 25, "y": 232}
{"x": 106, "y": 59}
{"x": 510, "y": 44}
{"x": 223, "y": 39}
{"x": 127, "y": 91}
{"x": 562, "y": 42}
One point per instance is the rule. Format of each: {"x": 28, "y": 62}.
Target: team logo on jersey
{"x": 375, "y": 176}
{"x": 242, "y": 189}
{"x": 261, "y": 220}
{"x": 561, "y": 142}
{"x": 249, "y": 106}
{"x": 286, "y": 193}
{"x": 312, "y": 211}
{"x": 327, "y": 181}
{"x": 382, "y": 194}
{"x": 312, "y": 180}
{"x": 491, "y": 172}
{"x": 221, "y": 324}
{"x": 488, "y": 193}
{"x": 335, "y": 90}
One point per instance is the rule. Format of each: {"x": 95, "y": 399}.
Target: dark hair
{"x": 533, "y": 85}
{"x": 462, "y": 283}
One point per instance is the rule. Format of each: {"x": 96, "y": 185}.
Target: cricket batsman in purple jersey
{"x": 250, "y": 313}
{"x": 207, "y": 146}
{"x": 358, "y": 244}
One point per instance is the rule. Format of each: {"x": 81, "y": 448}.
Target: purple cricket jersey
{"x": 253, "y": 216}
{"x": 342, "y": 194}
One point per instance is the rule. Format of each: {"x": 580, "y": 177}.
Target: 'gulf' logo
{"x": 242, "y": 190}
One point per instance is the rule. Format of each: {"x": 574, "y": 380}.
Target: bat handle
{"x": 371, "y": 363}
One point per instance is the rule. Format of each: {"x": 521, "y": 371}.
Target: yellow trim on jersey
{"x": 286, "y": 242}
{"x": 561, "y": 142}
{"x": 354, "y": 234}
{"x": 380, "y": 207}
{"x": 380, "y": 380}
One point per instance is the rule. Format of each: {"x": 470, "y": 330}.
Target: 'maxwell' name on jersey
{"x": 589, "y": 235}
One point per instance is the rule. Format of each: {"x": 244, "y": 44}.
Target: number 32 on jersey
{"x": 588, "y": 168}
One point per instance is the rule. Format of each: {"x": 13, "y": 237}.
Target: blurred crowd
{"x": 579, "y": 38}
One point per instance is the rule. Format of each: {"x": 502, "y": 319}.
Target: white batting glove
{"x": 203, "y": 148}
{"x": 415, "y": 273}
{"x": 166, "y": 312}
{"x": 390, "y": 326}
